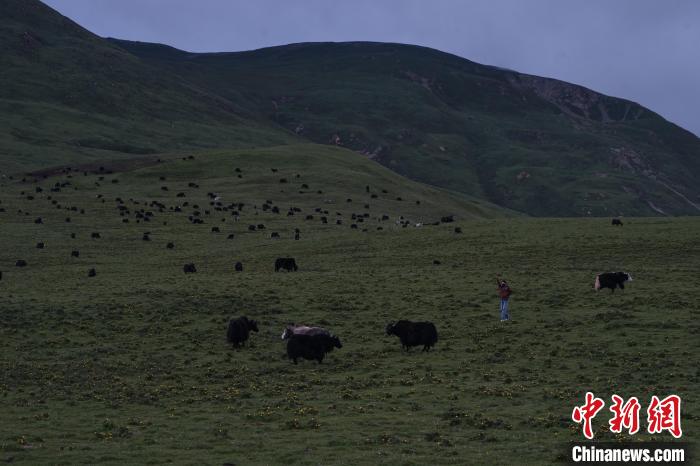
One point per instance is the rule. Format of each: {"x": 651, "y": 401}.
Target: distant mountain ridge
{"x": 532, "y": 144}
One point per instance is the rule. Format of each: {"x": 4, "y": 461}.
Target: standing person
{"x": 504, "y": 292}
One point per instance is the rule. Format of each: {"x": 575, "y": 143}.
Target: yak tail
{"x": 597, "y": 282}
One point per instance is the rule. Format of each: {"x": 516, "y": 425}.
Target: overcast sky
{"x": 647, "y": 51}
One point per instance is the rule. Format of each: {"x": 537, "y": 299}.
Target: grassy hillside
{"x": 68, "y": 96}
{"x": 132, "y": 367}
{"x": 533, "y": 144}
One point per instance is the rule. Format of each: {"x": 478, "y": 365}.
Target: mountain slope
{"x": 531, "y": 144}
{"x": 68, "y": 95}
{"x": 537, "y": 145}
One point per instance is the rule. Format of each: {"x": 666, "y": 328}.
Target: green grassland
{"x": 132, "y": 367}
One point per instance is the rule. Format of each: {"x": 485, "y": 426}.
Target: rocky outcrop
{"x": 577, "y": 101}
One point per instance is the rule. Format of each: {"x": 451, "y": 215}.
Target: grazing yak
{"x": 611, "y": 280}
{"x": 286, "y": 263}
{"x": 92, "y": 273}
{"x": 617, "y": 221}
{"x": 189, "y": 268}
{"x": 239, "y": 267}
{"x": 75, "y": 253}
{"x": 21, "y": 263}
{"x": 311, "y": 346}
{"x": 414, "y": 333}
{"x": 292, "y": 330}
{"x": 239, "y": 330}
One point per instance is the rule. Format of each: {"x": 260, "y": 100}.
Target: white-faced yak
{"x": 611, "y": 280}
{"x": 286, "y": 263}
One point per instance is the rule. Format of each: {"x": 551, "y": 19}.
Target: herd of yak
{"x": 132, "y": 210}
{"x": 305, "y": 342}
{"x": 313, "y": 343}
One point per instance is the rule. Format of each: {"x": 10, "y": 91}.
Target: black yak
{"x": 617, "y": 221}
{"x": 189, "y": 268}
{"x": 311, "y": 347}
{"x": 286, "y": 263}
{"x": 239, "y": 267}
{"x": 414, "y": 333}
{"x": 239, "y": 330}
{"x": 611, "y": 280}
